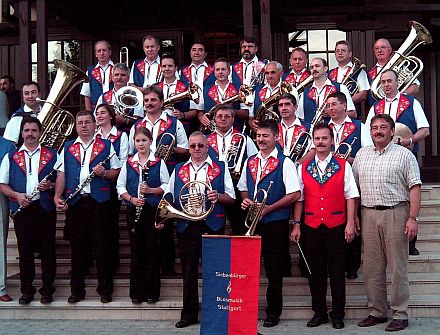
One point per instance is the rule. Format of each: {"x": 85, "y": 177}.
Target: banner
{"x": 231, "y": 281}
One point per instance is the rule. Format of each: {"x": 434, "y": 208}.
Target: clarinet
{"x": 34, "y": 193}
{"x": 87, "y": 181}
{"x": 140, "y": 196}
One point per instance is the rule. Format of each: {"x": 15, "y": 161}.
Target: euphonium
{"x": 192, "y": 93}
{"x": 256, "y": 210}
{"x": 58, "y": 123}
{"x": 264, "y": 113}
{"x": 407, "y": 67}
{"x": 244, "y": 95}
{"x": 235, "y": 154}
{"x": 301, "y": 146}
{"x": 348, "y": 80}
{"x": 163, "y": 150}
{"x": 126, "y": 98}
{"x": 193, "y": 200}
{"x": 347, "y": 152}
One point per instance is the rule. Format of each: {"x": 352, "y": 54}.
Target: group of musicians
{"x": 305, "y": 124}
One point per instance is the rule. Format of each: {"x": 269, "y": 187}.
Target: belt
{"x": 86, "y": 195}
{"x": 381, "y": 208}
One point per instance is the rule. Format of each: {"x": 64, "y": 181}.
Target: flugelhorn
{"x": 407, "y": 67}
{"x": 126, "y": 98}
{"x": 193, "y": 199}
{"x": 244, "y": 95}
{"x": 164, "y": 151}
{"x": 235, "y": 154}
{"x": 301, "y": 146}
{"x": 256, "y": 210}
{"x": 349, "y": 149}
{"x": 302, "y": 85}
{"x": 192, "y": 93}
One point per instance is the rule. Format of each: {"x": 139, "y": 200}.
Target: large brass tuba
{"x": 192, "y": 93}
{"x": 407, "y": 67}
{"x": 193, "y": 200}
{"x": 126, "y": 98}
{"x": 58, "y": 123}
{"x": 348, "y": 80}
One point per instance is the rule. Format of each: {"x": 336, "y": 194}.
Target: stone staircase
{"x": 424, "y": 280}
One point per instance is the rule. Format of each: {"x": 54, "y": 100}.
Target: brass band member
{"x": 141, "y": 183}
{"x": 88, "y": 211}
{"x": 100, "y": 79}
{"x": 314, "y": 96}
{"x": 22, "y": 179}
{"x": 202, "y": 168}
{"x": 270, "y": 165}
{"x": 328, "y": 200}
{"x": 250, "y": 66}
{"x": 299, "y": 72}
{"x": 221, "y": 144}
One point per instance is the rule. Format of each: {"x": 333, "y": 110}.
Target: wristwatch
{"x": 415, "y": 218}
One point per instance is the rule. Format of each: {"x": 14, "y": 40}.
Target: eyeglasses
{"x": 200, "y": 145}
{"x": 223, "y": 116}
{"x": 85, "y": 123}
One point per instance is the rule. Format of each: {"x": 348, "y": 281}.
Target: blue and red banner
{"x": 231, "y": 281}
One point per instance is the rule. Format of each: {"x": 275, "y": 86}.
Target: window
{"x": 318, "y": 43}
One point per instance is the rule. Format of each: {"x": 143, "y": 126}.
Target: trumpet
{"x": 235, "y": 154}
{"x": 192, "y": 93}
{"x": 164, "y": 151}
{"x": 256, "y": 210}
{"x": 348, "y": 80}
{"x": 244, "y": 95}
{"x": 301, "y": 146}
{"x": 193, "y": 199}
{"x": 125, "y": 100}
{"x": 141, "y": 196}
{"x": 347, "y": 152}
{"x": 35, "y": 191}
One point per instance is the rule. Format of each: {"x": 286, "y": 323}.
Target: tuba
{"x": 348, "y": 80}
{"x": 164, "y": 151}
{"x": 235, "y": 154}
{"x": 244, "y": 95}
{"x": 193, "y": 200}
{"x": 192, "y": 93}
{"x": 349, "y": 147}
{"x": 407, "y": 67}
{"x": 125, "y": 100}
{"x": 58, "y": 123}
{"x": 256, "y": 210}
{"x": 264, "y": 113}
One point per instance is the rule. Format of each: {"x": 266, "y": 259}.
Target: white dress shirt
{"x": 12, "y": 130}
{"x": 106, "y": 73}
{"x": 150, "y": 75}
{"x": 338, "y": 129}
{"x": 224, "y": 142}
{"x": 123, "y": 147}
{"x": 288, "y": 134}
{"x": 137, "y": 111}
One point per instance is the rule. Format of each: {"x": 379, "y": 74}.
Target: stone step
{"x": 420, "y": 283}
{"x": 294, "y": 307}
{"x": 430, "y": 208}
{"x": 429, "y": 224}
{"x": 430, "y": 191}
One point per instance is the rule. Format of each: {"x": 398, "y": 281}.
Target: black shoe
{"x": 338, "y": 324}
{"x": 352, "y": 275}
{"x": 73, "y": 299}
{"x": 184, "y": 323}
{"x": 317, "y": 320}
{"x": 25, "y": 299}
{"x": 105, "y": 299}
{"x": 46, "y": 299}
{"x": 371, "y": 320}
{"x": 271, "y": 321}
{"x": 414, "y": 251}
{"x": 396, "y": 325}
{"x": 151, "y": 301}
{"x": 136, "y": 301}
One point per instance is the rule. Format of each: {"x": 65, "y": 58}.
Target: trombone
{"x": 256, "y": 210}
{"x": 349, "y": 149}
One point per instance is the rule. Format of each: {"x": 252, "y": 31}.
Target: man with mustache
{"x": 99, "y": 75}
{"x": 7, "y": 85}
{"x": 270, "y": 165}
{"x": 146, "y": 72}
{"x": 21, "y": 173}
{"x": 119, "y": 77}
{"x": 389, "y": 180}
{"x": 298, "y": 62}
{"x": 31, "y": 107}
{"x": 406, "y": 110}
{"x": 328, "y": 200}
{"x": 314, "y": 97}
{"x": 250, "y": 66}
{"x": 158, "y": 122}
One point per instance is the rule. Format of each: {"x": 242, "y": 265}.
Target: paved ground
{"x": 421, "y": 326}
